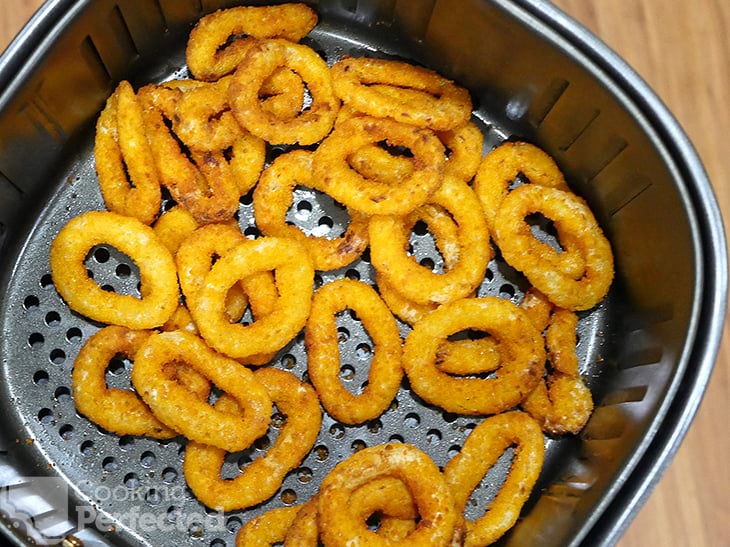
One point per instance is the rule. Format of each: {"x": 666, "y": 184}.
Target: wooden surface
{"x": 683, "y": 50}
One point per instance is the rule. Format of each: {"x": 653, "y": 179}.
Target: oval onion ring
{"x": 158, "y": 278}
{"x": 388, "y": 243}
{"x": 338, "y": 525}
{"x": 432, "y": 101}
{"x": 521, "y": 350}
{"x": 197, "y": 420}
{"x": 479, "y": 453}
{"x": 311, "y": 125}
{"x": 261, "y": 478}
{"x": 574, "y": 222}
{"x": 219, "y": 41}
{"x": 323, "y": 355}
{"x": 124, "y": 162}
{"x": 294, "y": 275}
{"x": 334, "y": 175}
{"x": 273, "y": 197}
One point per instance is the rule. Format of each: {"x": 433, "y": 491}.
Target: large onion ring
{"x": 323, "y": 355}
{"x": 211, "y": 53}
{"x": 574, "y": 222}
{"x": 124, "y": 162}
{"x": 335, "y": 176}
{"x": 172, "y": 404}
{"x": 294, "y": 275}
{"x": 479, "y": 453}
{"x": 521, "y": 350}
{"x": 273, "y": 197}
{"x": 432, "y": 101}
{"x": 388, "y": 244}
{"x": 311, "y": 125}
{"x": 338, "y": 524}
{"x": 261, "y": 478}
{"x": 158, "y": 278}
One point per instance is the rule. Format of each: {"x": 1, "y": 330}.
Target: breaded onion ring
{"x": 521, "y": 350}
{"x": 338, "y": 523}
{"x": 261, "y": 478}
{"x": 389, "y": 242}
{"x": 422, "y": 97}
{"x": 562, "y": 403}
{"x": 210, "y": 51}
{"x": 323, "y": 355}
{"x": 294, "y": 275}
{"x": 312, "y": 124}
{"x": 174, "y": 226}
{"x": 468, "y": 357}
{"x": 172, "y": 404}
{"x": 304, "y": 530}
{"x": 335, "y": 176}
{"x": 117, "y": 410}
{"x": 156, "y": 266}
{"x": 268, "y": 529}
{"x": 273, "y": 197}
{"x": 574, "y": 222}
{"x": 481, "y": 449}
{"x": 124, "y": 162}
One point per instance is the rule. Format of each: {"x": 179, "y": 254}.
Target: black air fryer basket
{"x": 534, "y": 74}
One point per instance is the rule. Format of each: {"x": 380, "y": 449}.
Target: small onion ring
{"x": 311, "y": 125}
{"x": 388, "y": 243}
{"x": 385, "y": 373}
{"x": 338, "y": 523}
{"x": 268, "y": 529}
{"x": 574, "y": 222}
{"x": 124, "y": 162}
{"x": 430, "y": 101}
{"x": 117, "y": 410}
{"x": 197, "y": 420}
{"x": 521, "y": 349}
{"x": 294, "y": 275}
{"x": 261, "y": 478}
{"x": 335, "y": 176}
{"x": 209, "y": 54}
{"x": 273, "y": 197}
{"x": 562, "y": 403}
{"x": 479, "y": 453}
{"x": 158, "y": 277}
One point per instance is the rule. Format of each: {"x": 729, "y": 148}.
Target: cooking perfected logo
{"x": 36, "y": 509}
{"x": 38, "y": 512}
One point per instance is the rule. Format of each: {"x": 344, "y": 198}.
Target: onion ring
{"x": 117, "y": 410}
{"x": 323, "y": 358}
{"x": 211, "y": 53}
{"x": 432, "y": 101}
{"x": 294, "y": 279}
{"x": 575, "y": 223}
{"x": 311, "y": 125}
{"x": 158, "y": 279}
{"x": 338, "y": 525}
{"x": 203, "y": 183}
{"x": 268, "y": 529}
{"x": 388, "y": 242}
{"x": 304, "y": 530}
{"x": 261, "y": 478}
{"x": 479, "y": 453}
{"x": 197, "y": 420}
{"x": 124, "y": 162}
{"x": 272, "y": 198}
{"x": 521, "y": 349}
{"x": 334, "y": 175}
{"x": 174, "y": 226}
{"x": 563, "y": 403}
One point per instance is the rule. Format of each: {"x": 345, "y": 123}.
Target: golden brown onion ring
{"x": 219, "y": 41}
{"x": 69, "y": 249}
{"x": 172, "y": 404}
{"x": 323, "y": 355}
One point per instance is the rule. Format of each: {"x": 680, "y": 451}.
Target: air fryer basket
{"x": 534, "y": 74}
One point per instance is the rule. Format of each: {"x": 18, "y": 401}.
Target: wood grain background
{"x": 682, "y": 49}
